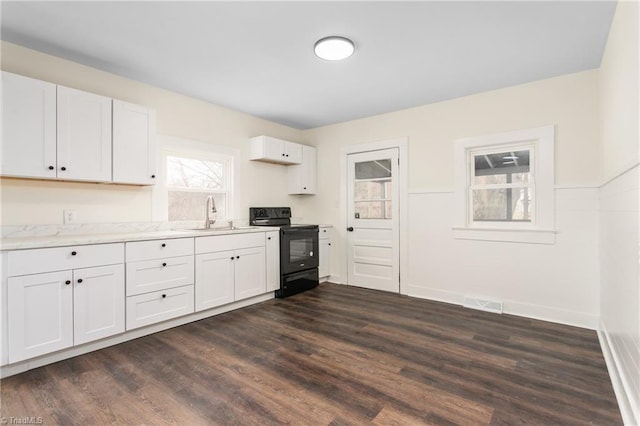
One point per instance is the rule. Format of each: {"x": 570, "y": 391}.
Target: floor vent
{"x": 483, "y": 305}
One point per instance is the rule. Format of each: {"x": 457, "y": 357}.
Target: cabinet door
{"x": 302, "y": 177}
{"x": 98, "y": 303}
{"x": 272, "y": 149}
{"x": 133, "y": 144}
{"x": 28, "y": 127}
{"x": 324, "y": 258}
{"x": 292, "y": 152}
{"x": 308, "y": 170}
{"x": 84, "y": 136}
{"x": 40, "y": 314}
{"x": 250, "y": 272}
{"x": 273, "y": 260}
{"x": 214, "y": 279}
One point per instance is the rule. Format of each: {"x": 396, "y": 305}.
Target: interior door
{"x": 372, "y": 220}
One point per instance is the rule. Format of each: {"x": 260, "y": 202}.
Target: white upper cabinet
{"x": 84, "y": 136}
{"x": 56, "y": 132}
{"x": 292, "y": 152}
{"x": 273, "y": 150}
{"x": 28, "y": 127}
{"x": 133, "y": 144}
{"x": 302, "y": 177}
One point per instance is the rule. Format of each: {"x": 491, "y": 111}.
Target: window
{"x": 504, "y": 186}
{"x": 190, "y": 181}
{"x": 190, "y": 171}
{"x": 372, "y": 189}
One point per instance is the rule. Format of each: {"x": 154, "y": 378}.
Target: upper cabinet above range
{"x": 60, "y": 133}
{"x": 301, "y": 160}
{"x": 273, "y": 150}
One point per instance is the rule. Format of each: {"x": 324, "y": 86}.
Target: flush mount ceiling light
{"x": 334, "y": 48}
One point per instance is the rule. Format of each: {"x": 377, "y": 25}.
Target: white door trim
{"x": 402, "y": 144}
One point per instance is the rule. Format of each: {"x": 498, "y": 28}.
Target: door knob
{"x": 350, "y": 229}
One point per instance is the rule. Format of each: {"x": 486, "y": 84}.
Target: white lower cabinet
{"x": 49, "y": 311}
{"x": 64, "y": 296}
{"x": 40, "y": 312}
{"x": 249, "y": 273}
{"x": 214, "y": 279}
{"x": 160, "y": 276}
{"x": 225, "y": 276}
{"x": 273, "y": 260}
{"x": 150, "y": 308}
{"x": 324, "y": 255}
{"x": 98, "y": 303}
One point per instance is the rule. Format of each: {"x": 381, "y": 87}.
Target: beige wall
{"x": 42, "y": 202}
{"x": 570, "y": 102}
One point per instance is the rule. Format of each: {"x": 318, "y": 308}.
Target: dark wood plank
{"x": 335, "y": 355}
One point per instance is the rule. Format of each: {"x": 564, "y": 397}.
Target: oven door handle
{"x": 299, "y": 230}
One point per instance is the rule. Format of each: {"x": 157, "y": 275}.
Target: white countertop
{"x": 44, "y": 241}
{"x": 20, "y": 243}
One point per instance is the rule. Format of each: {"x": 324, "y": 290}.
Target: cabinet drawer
{"x": 159, "y": 249}
{"x": 23, "y": 262}
{"x": 159, "y": 274}
{"x": 229, "y": 242}
{"x": 324, "y": 233}
{"x": 150, "y": 308}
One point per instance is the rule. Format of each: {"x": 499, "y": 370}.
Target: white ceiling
{"x": 257, "y": 57}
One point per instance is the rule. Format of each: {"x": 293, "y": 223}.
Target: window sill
{"x": 532, "y": 236}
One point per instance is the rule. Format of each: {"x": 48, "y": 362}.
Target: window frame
{"x": 185, "y": 148}
{"x": 528, "y": 145}
{"x": 540, "y": 141}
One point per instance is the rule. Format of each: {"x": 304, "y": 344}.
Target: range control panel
{"x": 273, "y": 216}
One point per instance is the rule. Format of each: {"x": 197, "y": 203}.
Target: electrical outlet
{"x": 69, "y": 217}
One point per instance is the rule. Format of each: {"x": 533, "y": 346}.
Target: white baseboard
{"x": 544, "y": 313}
{"x": 22, "y": 366}
{"x": 335, "y": 279}
{"x": 630, "y": 413}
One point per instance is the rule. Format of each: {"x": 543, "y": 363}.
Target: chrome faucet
{"x": 210, "y": 208}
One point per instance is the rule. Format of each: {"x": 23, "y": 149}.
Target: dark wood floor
{"x": 335, "y": 355}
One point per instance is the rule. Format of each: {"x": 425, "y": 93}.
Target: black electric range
{"x": 298, "y": 249}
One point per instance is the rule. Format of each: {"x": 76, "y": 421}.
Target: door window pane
{"x": 372, "y": 189}
{"x": 373, "y": 169}
{"x": 373, "y": 209}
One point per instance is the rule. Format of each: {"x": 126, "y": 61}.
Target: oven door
{"x": 298, "y": 249}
